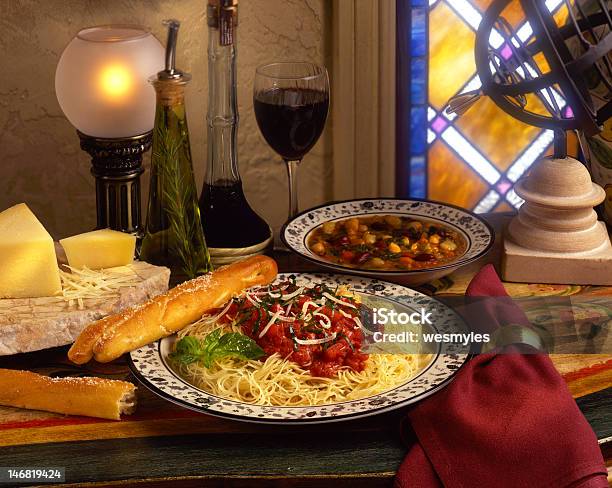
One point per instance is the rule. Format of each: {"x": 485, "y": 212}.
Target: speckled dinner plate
{"x": 478, "y": 235}
{"x": 151, "y": 366}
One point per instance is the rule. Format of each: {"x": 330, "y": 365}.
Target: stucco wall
{"x": 40, "y": 160}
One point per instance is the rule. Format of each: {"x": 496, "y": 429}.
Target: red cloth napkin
{"x": 507, "y": 420}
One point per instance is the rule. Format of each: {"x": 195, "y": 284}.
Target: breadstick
{"x": 81, "y": 351}
{"x": 93, "y": 397}
{"x": 170, "y": 312}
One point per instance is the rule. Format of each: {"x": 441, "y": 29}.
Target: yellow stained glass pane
{"x": 562, "y": 14}
{"x": 535, "y": 105}
{"x": 451, "y": 180}
{"x": 451, "y": 51}
{"x": 505, "y": 207}
{"x": 482, "y": 5}
{"x": 500, "y": 137}
{"x": 542, "y": 63}
{"x": 513, "y": 13}
{"x": 549, "y": 151}
{"x": 573, "y": 145}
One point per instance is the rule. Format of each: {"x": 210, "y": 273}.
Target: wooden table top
{"x": 166, "y": 445}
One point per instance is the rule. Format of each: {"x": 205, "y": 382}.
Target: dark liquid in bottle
{"x": 291, "y": 119}
{"x": 227, "y": 218}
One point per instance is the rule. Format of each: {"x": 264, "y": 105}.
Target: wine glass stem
{"x": 292, "y": 166}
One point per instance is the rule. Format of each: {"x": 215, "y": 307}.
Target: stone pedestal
{"x": 556, "y": 238}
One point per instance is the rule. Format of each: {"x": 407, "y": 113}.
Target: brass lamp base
{"x": 117, "y": 166}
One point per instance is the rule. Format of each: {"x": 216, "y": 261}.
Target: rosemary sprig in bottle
{"x": 174, "y": 235}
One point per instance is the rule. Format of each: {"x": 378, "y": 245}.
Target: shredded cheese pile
{"x": 81, "y": 284}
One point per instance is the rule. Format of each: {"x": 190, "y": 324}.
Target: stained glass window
{"x": 475, "y": 159}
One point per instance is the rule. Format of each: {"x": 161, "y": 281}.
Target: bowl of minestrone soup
{"x": 407, "y": 241}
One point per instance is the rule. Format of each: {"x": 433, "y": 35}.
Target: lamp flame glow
{"x": 116, "y": 81}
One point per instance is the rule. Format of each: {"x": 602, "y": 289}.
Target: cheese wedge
{"x": 98, "y": 249}
{"x": 28, "y": 265}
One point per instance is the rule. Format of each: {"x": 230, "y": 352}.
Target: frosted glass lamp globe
{"x": 101, "y": 80}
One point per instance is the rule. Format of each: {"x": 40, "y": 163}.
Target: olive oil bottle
{"x": 173, "y": 231}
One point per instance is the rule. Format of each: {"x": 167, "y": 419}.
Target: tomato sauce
{"x": 335, "y": 324}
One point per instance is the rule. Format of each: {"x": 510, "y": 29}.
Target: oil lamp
{"x": 101, "y": 86}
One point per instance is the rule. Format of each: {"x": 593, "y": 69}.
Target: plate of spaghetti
{"x": 305, "y": 349}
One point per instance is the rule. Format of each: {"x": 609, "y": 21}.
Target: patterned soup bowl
{"x": 476, "y": 233}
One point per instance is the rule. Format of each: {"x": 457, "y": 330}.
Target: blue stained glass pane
{"x": 417, "y": 177}
{"x": 414, "y": 15}
{"x": 418, "y": 45}
{"x": 418, "y": 90}
{"x": 418, "y": 124}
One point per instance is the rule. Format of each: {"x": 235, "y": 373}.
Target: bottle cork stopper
{"x": 223, "y": 15}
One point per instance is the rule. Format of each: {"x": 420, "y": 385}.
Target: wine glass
{"x": 291, "y": 101}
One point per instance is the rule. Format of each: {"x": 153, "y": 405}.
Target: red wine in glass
{"x": 291, "y": 119}
{"x": 291, "y": 100}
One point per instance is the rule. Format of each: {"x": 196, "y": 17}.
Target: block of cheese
{"x": 28, "y": 265}
{"x": 99, "y": 249}
{"x": 31, "y": 324}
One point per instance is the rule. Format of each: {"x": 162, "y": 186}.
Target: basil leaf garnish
{"x": 214, "y": 346}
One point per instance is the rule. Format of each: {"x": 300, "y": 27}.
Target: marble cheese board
{"x": 32, "y": 324}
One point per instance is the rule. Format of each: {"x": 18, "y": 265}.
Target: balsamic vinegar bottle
{"x": 232, "y": 228}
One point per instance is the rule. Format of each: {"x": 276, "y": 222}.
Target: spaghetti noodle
{"x": 277, "y": 379}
